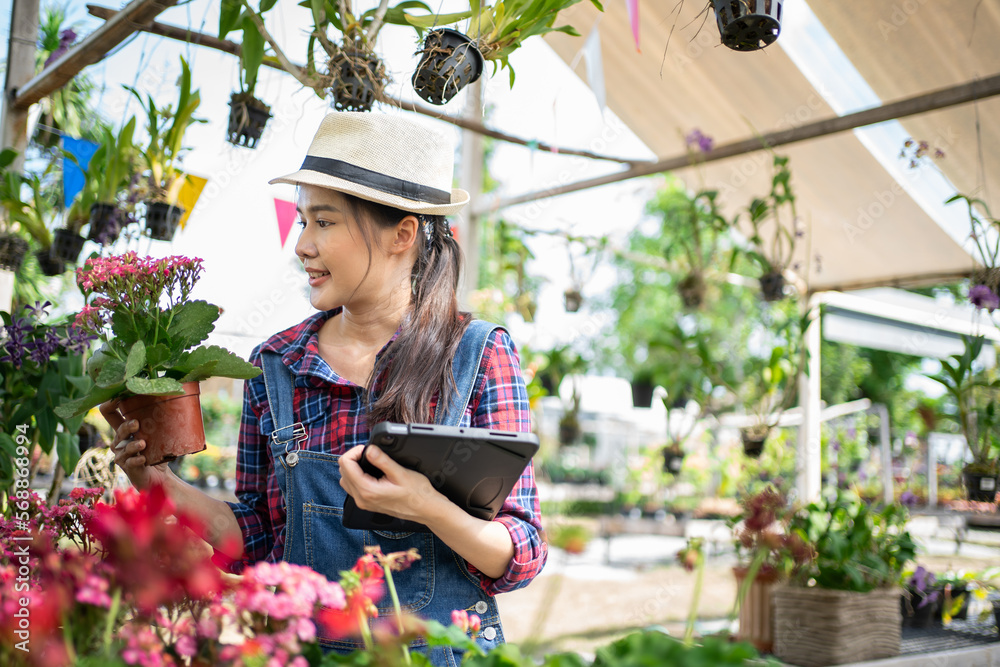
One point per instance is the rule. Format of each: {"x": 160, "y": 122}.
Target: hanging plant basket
{"x": 450, "y": 62}
{"x": 105, "y": 223}
{"x": 748, "y": 25}
{"x": 172, "y": 426}
{"x": 753, "y": 442}
{"x": 12, "y": 251}
{"x": 642, "y": 393}
{"x": 162, "y": 220}
{"x": 980, "y": 488}
{"x": 772, "y": 286}
{"x": 692, "y": 290}
{"x": 247, "y": 118}
{"x": 672, "y": 461}
{"x": 569, "y": 428}
{"x": 357, "y": 79}
{"x": 572, "y": 299}
{"x": 66, "y": 245}
{"x": 51, "y": 266}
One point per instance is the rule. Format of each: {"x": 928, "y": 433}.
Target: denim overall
{"x": 433, "y": 586}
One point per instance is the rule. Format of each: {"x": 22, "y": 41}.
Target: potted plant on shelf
{"x": 843, "y": 605}
{"x": 921, "y": 600}
{"x": 694, "y": 229}
{"x": 772, "y": 233}
{"x": 974, "y": 394}
{"x": 766, "y": 554}
{"x": 248, "y": 115}
{"x": 151, "y": 358}
{"x": 166, "y": 128}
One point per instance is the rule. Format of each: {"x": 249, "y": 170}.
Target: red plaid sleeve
{"x": 253, "y": 467}
{"x": 503, "y": 405}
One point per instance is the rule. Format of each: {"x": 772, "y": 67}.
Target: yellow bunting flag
{"x": 188, "y": 196}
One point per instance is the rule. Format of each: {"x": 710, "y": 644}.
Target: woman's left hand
{"x": 402, "y": 493}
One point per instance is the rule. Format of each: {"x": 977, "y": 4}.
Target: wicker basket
{"x": 815, "y": 627}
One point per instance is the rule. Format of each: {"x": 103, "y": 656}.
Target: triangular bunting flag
{"x": 73, "y": 172}
{"x": 285, "y": 211}
{"x": 189, "y": 194}
{"x": 633, "y": 19}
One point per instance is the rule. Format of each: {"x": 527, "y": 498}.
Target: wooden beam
{"x": 938, "y": 99}
{"x": 92, "y": 49}
{"x": 20, "y": 68}
{"x": 201, "y": 39}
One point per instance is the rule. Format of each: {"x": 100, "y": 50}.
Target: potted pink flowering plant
{"x": 151, "y": 360}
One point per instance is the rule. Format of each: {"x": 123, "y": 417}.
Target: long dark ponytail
{"x": 418, "y": 364}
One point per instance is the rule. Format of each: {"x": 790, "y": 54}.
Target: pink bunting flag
{"x": 633, "y": 19}
{"x": 285, "y": 211}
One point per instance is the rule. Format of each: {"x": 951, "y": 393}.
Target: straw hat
{"x": 389, "y": 159}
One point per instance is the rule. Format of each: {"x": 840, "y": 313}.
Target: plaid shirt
{"x": 334, "y": 409}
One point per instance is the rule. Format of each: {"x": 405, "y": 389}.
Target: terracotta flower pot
{"x": 171, "y": 425}
{"x": 757, "y": 610}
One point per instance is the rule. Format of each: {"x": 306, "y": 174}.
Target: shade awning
{"x": 865, "y": 227}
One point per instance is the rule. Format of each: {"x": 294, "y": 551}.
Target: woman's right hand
{"x": 128, "y": 452}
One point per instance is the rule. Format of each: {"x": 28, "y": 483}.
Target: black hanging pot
{"x": 66, "y": 245}
{"x": 748, "y": 25}
{"x": 980, "y": 488}
{"x": 51, "y": 266}
{"x": 105, "y": 223}
{"x": 357, "y": 79}
{"x": 753, "y": 443}
{"x": 12, "y": 251}
{"x": 572, "y": 300}
{"x": 692, "y": 290}
{"x": 450, "y": 62}
{"x": 162, "y": 220}
{"x": 642, "y": 393}
{"x": 672, "y": 461}
{"x": 772, "y": 286}
{"x": 247, "y": 118}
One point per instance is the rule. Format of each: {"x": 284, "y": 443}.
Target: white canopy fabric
{"x": 866, "y": 230}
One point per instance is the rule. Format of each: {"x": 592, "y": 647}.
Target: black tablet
{"x": 475, "y": 468}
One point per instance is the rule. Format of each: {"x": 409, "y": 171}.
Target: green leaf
{"x": 434, "y": 20}
{"x": 192, "y": 322}
{"x": 46, "y": 423}
{"x": 68, "y": 448}
{"x": 79, "y": 406}
{"x": 226, "y": 364}
{"x": 125, "y": 332}
{"x": 136, "y": 360}
{"x": 112, "y": 373}
{"x": 266, "y": 5}
{"x": 229, "y": 17}
{"x": 157, "y": 387}
{"x": 251, "y": 53}
{"x": 157, "y": 355}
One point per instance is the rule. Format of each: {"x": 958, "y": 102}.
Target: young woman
{"x": 383, "y": 271}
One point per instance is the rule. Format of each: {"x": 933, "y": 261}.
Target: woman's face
{"x": 335, "y": 256}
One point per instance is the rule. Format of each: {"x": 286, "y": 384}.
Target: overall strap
{"x": 465, "y": 368}
{"x": 279, "y": 385}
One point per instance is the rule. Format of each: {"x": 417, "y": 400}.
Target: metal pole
{"x": 809, "y": 481}
{"x": 932, "y": 487}
{"x": 472, "y": 181}
{"x": 884, "y": 441}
